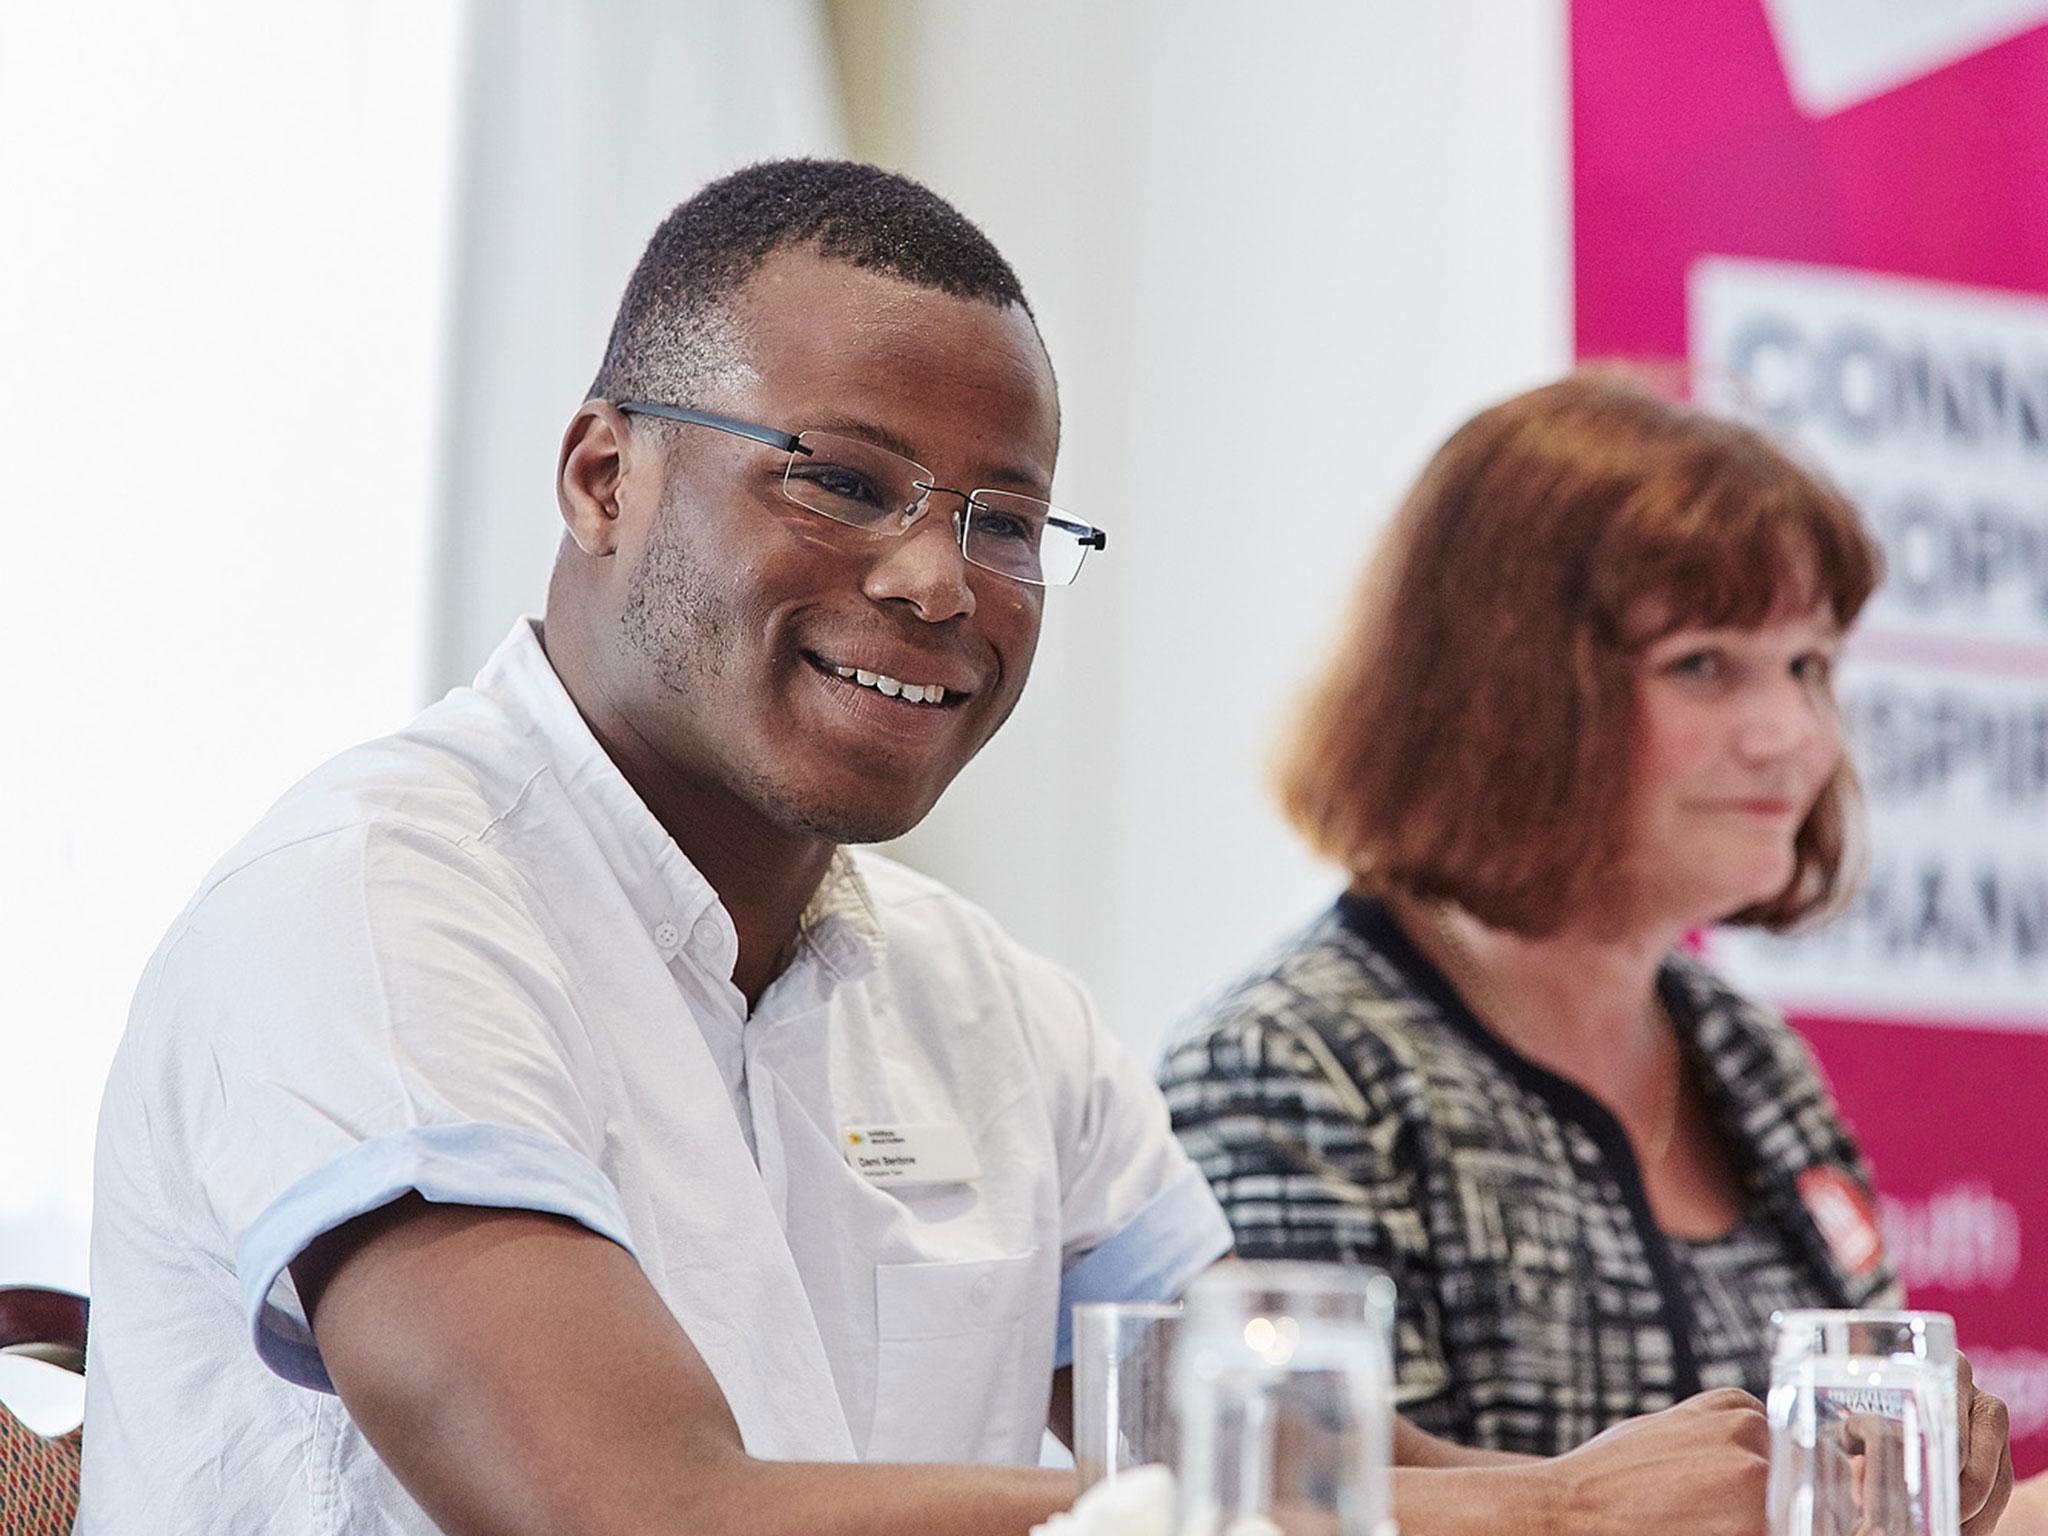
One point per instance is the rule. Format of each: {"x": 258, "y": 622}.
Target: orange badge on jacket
{"x": 1846, "y": 1216}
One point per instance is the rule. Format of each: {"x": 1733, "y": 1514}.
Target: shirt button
{"x": 667, "y": 935}
{"x": 982, "y": 1289}
{"x": 705, "y": 934}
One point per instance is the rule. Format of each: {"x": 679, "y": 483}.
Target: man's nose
{"x": 924, "y": 567}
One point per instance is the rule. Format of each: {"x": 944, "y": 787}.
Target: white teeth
{"x": 881, "y": 682}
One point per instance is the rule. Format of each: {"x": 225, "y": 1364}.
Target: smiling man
{"x": 541, "y": 1121}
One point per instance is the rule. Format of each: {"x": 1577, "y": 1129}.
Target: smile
{"x": 881, "y": 682}
{"x": 1763, "y": 807}
{"x": 928, "y": 694}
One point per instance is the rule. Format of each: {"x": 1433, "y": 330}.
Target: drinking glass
{"x": 1123, "y": 1389}
{"x": 1863, "y": 1424}
{"x": 1284, "y": 1382}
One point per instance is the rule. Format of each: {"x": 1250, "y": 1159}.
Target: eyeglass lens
{"x": 856, "y": 483}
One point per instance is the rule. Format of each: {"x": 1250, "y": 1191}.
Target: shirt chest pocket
{"x": 963, "y": 1360}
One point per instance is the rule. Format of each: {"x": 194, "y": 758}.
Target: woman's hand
{"x": 1986, "y": 1453}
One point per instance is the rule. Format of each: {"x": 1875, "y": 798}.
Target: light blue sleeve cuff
{"x": 1180, "y": 1234}
{"x": 473, "y": 1164}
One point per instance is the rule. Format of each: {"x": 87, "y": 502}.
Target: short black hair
{"x": 671, "y": 329}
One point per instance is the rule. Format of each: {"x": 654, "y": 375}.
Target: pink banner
{"x": 1847, "y": 209}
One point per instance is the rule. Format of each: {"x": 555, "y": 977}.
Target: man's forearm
{"x": 768, "y": 1498}
{"x": 1473, "y": 1501}
{"x": 1418, "y": 1448}
{"x": 520, "y": 1377}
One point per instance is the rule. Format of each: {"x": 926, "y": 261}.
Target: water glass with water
{"x": 1284, "y": 1383}
{"x": 1864, "y": 1437}
{"x": 1123, "y": 1387}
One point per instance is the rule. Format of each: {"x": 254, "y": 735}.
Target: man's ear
{"x": 588, "y": 473}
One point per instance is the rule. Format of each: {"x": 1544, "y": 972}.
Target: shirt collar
{"x": 669, "y": 896}
{"x": 677, "y": 905}
{"x": 840, "y": 923}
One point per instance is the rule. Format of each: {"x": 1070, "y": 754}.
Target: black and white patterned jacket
{"x": 1346, "y": 1105}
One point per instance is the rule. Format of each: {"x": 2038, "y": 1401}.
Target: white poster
{"x": 1929, "y": 404}
{"x": 1838, "y": 53}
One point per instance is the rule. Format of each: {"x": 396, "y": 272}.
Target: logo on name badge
{"x": 937, "y": 1152}
{"x": 1847, "y": 1219}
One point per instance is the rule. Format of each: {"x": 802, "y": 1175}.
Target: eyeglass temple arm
{"x": 1086, "y": 537}
{"x": 786, "y": 441}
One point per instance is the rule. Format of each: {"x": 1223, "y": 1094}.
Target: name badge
{"x": 934, "y": 1153}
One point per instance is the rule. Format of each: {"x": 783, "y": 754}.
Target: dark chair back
{"x": 39, "y": 1473}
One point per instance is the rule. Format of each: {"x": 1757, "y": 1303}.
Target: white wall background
{"x": 1278, "y": 253}
{"x": 294, "y": 301}
{"x": 582, "y": 125}
{"x": 219, "y": 300}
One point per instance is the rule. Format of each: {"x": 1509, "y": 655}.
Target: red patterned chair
{"x": 39, "y": 1473}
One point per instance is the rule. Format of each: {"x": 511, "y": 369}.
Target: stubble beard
{"x": 681, "y": 624}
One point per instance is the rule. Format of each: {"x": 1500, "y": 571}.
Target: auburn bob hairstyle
{"x": 1470, "y": 740}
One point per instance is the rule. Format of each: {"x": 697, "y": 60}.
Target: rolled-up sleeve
{"x": 345, "y": 1020}
{"x": 472, "y": 1164}
{"x": 1137, "y": 1219}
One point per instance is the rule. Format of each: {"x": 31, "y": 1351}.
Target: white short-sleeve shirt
{"x": 466, "y": 960}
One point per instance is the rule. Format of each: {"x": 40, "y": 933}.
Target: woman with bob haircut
{"x": 1582, "y": 708}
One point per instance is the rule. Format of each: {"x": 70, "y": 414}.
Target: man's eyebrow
{"x": 1005, "y": 474}
{"x": 881, "y": 437}
{"x": 867, "y": 431}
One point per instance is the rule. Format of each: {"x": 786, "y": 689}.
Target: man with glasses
{"x": 582, "y": 1135}
{"x": 541, "y": 1121}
